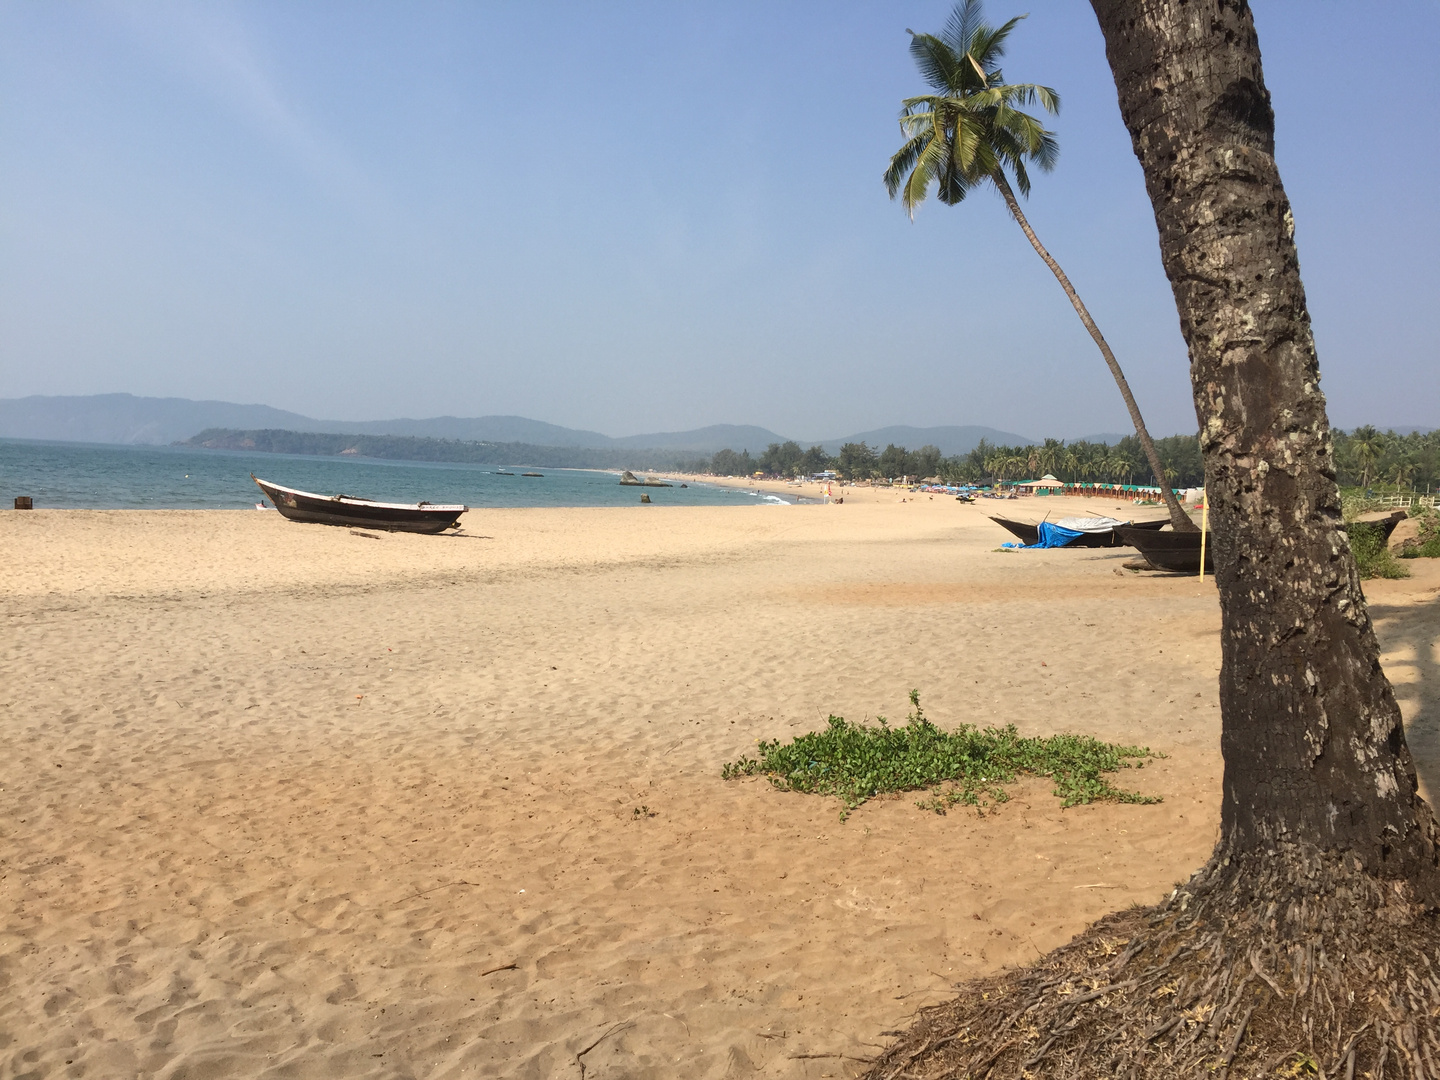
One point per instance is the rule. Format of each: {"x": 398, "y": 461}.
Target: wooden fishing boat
{"x": 1178, "y": 552}
{"x": 306, "y": 506}
{"x": 1100, "y": 538}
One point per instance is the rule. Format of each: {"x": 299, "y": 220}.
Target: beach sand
{"x": 283, "y": 800}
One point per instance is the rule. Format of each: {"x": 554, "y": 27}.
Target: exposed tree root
{"x": 1293, "y": 964}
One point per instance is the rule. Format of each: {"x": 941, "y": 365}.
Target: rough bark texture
{"x": 1313, "y": 745}
{"x": 1309, "y": 945}
{"x": 1179, "y": 520}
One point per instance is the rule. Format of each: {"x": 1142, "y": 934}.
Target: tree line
{"x": 1368, "y": 458}
{"x": 421, "y": 448}
{"x": 1364, "y": 457}
{"x": 1075, "y": 462}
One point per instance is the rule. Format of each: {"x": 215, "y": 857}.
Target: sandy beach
{"x": 282, "y": 800}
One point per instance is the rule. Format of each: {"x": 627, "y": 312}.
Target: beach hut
{"x": 1043, "y": 486}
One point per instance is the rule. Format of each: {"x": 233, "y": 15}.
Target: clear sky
{"x": 653, "y": 216}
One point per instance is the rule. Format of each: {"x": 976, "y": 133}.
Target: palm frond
{"x": 1022, "y": 178}
{"x": 1029, "y": 94}
{"x": 951, "y": 186}
{"x": 974, "y": 129}
{"x": 966, "y": 23}
{"x": 1031, "y": 138}
{"x": 903, "y": 163}
{"x": 1048, "y": 152}
{"x": 937, "y": 62}
{"x": 984, "y": 161}
{"x": 926, "y": 100}
{"x": 1023, "y": 127}
{"x": 965, "y": 142}
{"x": 928, "y": 165}
{"x": 991, "y": 42}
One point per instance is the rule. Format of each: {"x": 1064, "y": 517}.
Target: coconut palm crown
{"x": 972, "y": 129}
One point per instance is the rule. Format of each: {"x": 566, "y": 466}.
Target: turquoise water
{"x": 93, "y": 476}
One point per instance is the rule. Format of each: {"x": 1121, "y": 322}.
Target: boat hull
{"x": 1030, "y": 534}
{"x": 1177, "y": 552}
{"x": 314, "y": 509}
{"x": 1180, "y": 552}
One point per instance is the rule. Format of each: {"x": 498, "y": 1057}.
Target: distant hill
{"x": 706, "y": 440}
{"x": 423, "y": 448}
{"x": 951, "y": 440}
{"x": 495, "y": 429}
{"x": 124, "y": 418}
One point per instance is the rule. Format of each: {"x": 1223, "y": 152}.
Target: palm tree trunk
{"x": 1314, "y": 749}
{"x": 1179, "y": 520}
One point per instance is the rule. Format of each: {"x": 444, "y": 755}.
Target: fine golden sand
{"x": 281, "y": 800}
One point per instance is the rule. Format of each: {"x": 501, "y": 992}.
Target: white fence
{"x": 1401, "y": 502}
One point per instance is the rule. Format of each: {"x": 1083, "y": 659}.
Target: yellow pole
{"x": 1204, "y": 527}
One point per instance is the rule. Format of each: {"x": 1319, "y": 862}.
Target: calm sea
{"x": 88, "y": 475}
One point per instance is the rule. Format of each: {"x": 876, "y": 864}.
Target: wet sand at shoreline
{"x": 282, "y": 800}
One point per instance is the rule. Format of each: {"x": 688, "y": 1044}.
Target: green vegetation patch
{"x": 1426, "y": 544}
{"x": 856, "y": 762}
{"x": 1372, "y": 558}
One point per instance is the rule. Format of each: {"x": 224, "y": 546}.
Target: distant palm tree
{"x": 968, "y": 133}
{"x": 1368, "y": 445}
{"x": 1120, "y": 466}
{"x": 1050, "y": 455}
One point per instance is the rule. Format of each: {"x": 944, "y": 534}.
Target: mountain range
{"x": 125, "y": 418}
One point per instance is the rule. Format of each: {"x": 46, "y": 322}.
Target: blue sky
{"x": 653, "y": 216}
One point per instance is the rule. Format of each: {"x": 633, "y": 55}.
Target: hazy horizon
{"x": 646, "y": 219}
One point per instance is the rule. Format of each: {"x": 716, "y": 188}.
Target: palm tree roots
{"x": 1294, "y": 964}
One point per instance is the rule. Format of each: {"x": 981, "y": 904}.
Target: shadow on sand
{"x": 1410, "y": 638}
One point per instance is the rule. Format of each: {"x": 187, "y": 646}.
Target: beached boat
{"x": 306, "y": 506}
{"x": 1092, "y": 536}
{"x": 1178, "y": 552}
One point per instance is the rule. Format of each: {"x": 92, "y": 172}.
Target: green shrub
{"x": 1428, "y": 536}
{"x": 1372, "y": 557}
{"x": 856, "y": 762}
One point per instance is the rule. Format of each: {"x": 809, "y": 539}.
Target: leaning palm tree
{"x": 968, "y": 134}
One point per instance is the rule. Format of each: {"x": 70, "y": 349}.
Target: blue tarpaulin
{"x": 1051, "y": 536}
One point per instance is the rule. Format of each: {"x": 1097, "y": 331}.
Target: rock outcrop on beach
{"x": 629, "y": 479}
